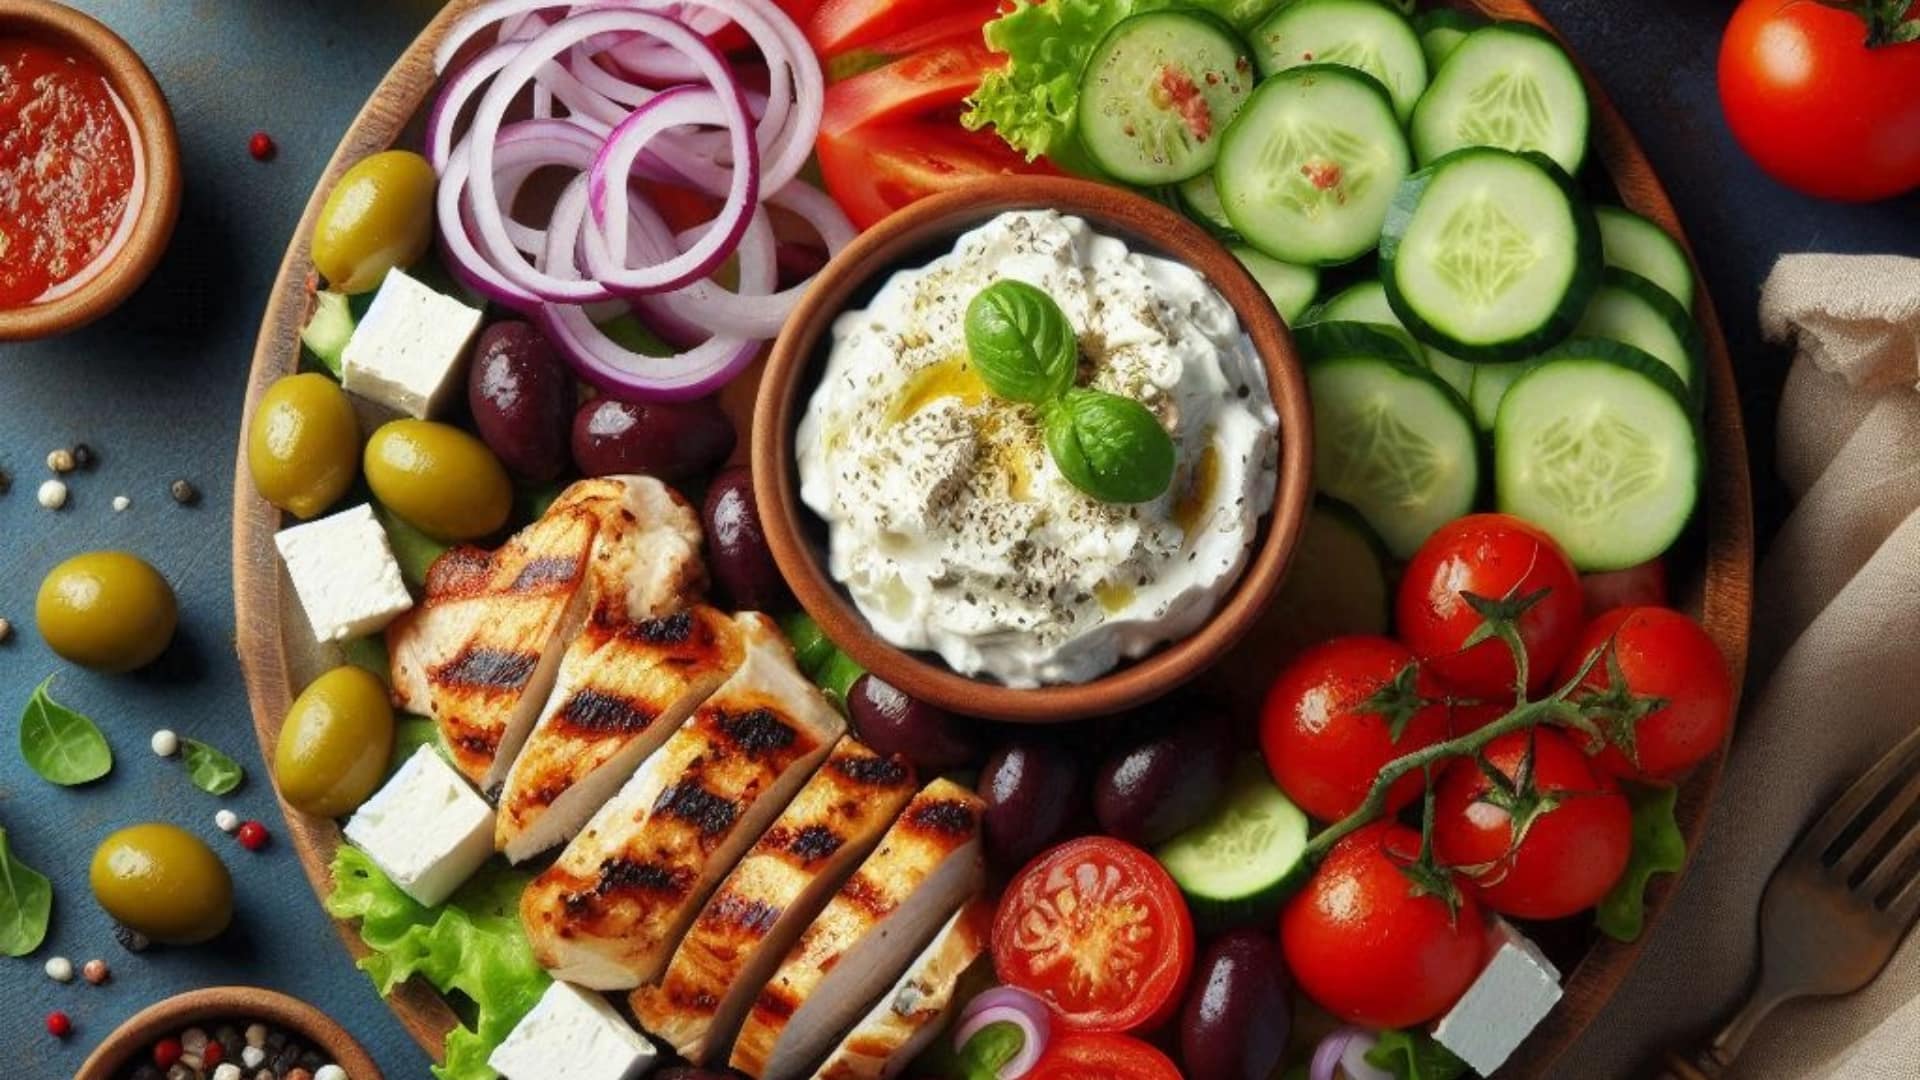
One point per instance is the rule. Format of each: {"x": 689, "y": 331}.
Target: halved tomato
{"x": 933, "y": 78}
{"x": 839, "y": 25}
{"x": 1100, "y": 932}
{"x": 1082, "y": 1056}
{"x": 876, "y": 169}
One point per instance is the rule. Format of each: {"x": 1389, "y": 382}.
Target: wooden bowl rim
{"x": 195, "y": 1007}
{"x": 159, "y": 207}
{"x": 945, "y": 216}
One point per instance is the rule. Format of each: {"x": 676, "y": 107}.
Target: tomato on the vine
{"x": 1372, "y": 947}
{"x": 1088, "y": 1056}
{"x": 1096, "y": 929}
{"x": 1341, "y": 711}
{"x": 1539, "y": 832}
{"x": 1660, "y": 689}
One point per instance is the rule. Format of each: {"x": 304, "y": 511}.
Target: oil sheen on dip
{"x": 948, "y": 523}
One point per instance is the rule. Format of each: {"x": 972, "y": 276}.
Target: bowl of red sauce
{"x": 89, "y": 170}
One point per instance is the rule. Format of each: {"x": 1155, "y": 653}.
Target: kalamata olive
{"x": 737, "y": 553}
{"x": 1032, "y": 790}
{"x": 892, "y": 722}
{"x": 522, "y": 399}
{"x": 1235, "y": 1021}
{"x": 671, "y": 440}
{"x": 1164, "y": 782}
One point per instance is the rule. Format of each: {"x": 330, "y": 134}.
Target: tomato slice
{"x": 1099, "y": 931}
{"x": 874, "y": 170}
{"x": 839, "y": 25}
{"x": 920, "y": 82}
{"x": 964, "y": 25}
{"x": 1085, "y": 1056}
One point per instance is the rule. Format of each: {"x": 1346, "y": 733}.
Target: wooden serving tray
{"x": 1712, "y": 572}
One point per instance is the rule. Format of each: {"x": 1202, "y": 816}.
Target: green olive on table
{"x": 106, "y": 610}
{"x": 378, "y": 216}
{"x": 162, "y": 881}
{"x": 303, "y": 446}
{"x": 335, "y": 743}
{"x": 441, "y": 480}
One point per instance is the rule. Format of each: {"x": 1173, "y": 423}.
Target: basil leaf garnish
{"x": 210, "y": 770}
{"x": 990, "y": 1048}
{"x": 63, "y": 746}
{"x": 1021, "y": 343}
{"x": 1110, "y": 447}
{"x": 26, "y": 903}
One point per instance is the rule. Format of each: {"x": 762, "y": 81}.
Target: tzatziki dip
{"x": 950, "y": 523}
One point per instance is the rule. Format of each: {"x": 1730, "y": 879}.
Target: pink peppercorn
{"x": 166, "y": 1052}
{"x": 252, "y": 836}
{"x": 59, "y": 1024}
{"x": 261, "y": 146}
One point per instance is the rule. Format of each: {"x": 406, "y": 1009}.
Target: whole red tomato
{"x": 1822, "y": 110}
{"x": 1083, "y": 1056}
{"x": 1371, "y": 949}
{"x": 1327, "y": 729}
{"x": 1547, "y": 839}
{"x": 1512, "y": 571}
{"x": 1675, "y": 691}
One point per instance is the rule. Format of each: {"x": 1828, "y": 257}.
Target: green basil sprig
{"x": 26, "y": 904}
{"x": 210, "y": 770}
{"x": 1110, "y": 447}
{"x": 63, "y": 746}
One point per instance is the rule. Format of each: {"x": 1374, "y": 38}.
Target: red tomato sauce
{"x": 68, "y": 171}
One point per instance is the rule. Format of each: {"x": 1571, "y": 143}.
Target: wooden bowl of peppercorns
{"x": 192, "y": 1035}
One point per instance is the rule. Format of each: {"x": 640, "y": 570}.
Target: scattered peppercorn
{"x": 60, "y": 461}
{"x": 6, "y": 630}
{"x": 59, "y": 969}
{"x": 53, "y": 495}
{"x": 164, "y": 743}
{"x": 6, "y": 481}
{"x": 213, "y": 1055}
{"x": 96, "y": 971}
{"x": 84, "y": 457}
{"x": 121, "y": 502}
{"x": 262, "y": 146}
{"x": 252, "y": 836}
{"x": 166, "y": 1052}
{"x": 59, "y": 1024}
{"x": 226, "y": 820}
{"x": 130, "y": 939}
{"x": 183, "y": 492}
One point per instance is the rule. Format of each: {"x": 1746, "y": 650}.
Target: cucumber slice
{"x": 1330, "y": 339}
{"x": 1308, "y": 168}
{"x": 1290, "y": 287}
{"x": 1158, "y": 91}
{"x": 1508, "y": 85}
{"x": 1634, "y": 311}
{"x": 1243, "y": 859}
{"x": 1442, "y": 30}
{"x": 1200, "y": 200}
{"x": 1366, "y": 302}
{"x": 1490, "y": 255}
{"x": 1393, "y": 441}
{"x": 1635, "y": 244}
{"x": 1597, "y": 445}
{"x": 1362, "y": 34}
{"x": 1490, "y": 384}
{"x": 327, "y": 330}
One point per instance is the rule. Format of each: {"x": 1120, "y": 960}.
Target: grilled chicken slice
{"x": 608, "y": 914}
{"x": 753, "y": 918}
{"x": 907, "y": 1017}
{"x": 926, "y": 867}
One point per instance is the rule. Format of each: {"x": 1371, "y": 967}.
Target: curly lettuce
{"x": 1659, "y": 847}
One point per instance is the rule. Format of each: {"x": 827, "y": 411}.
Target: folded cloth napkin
{"x": 1834, "y": 683}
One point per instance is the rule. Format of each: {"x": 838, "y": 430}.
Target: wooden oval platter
{"x": 1711, "y": 572}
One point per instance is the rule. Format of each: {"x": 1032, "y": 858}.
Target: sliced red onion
{"x": 754, "y": 310}
{"x": 583, "y": 103}
{"x": 1008, "y": 1004}
{"x": 1345, "y": 1052}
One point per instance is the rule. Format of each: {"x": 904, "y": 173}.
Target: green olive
{"x": 106, "y": 610}
{"x": 378, "y": 216}
{"x": 441, "y": 480}
{"x": 335, "y": 743}
{"x": 303, "y": 447}
{"x": 163, "y": 882}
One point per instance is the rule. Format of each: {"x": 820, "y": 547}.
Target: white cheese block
{"x": 573, "y": 1034}
{"x": 345, "y": 574}
{"x": 427, "y": 829}
{"x": 1516, "y": 990}
{"x": 408, "y": 350}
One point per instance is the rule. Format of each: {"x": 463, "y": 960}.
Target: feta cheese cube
{"x": 1516, "y": 990}
{"x": 344, "y": 573}
{"x": 407, "y": 352}
{"x": 572, "y": 1034}
{"x": 427, "y": 829}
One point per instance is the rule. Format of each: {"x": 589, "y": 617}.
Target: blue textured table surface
{"x": 156, "y": 390}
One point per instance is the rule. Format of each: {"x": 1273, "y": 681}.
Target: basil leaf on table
{"x": 210, "y": 770}
{"x": 1111, "y": 447}
{"x": 1021, "y": 343}
{"x": 63, "y": 746}
{"x": 26, "y": 904}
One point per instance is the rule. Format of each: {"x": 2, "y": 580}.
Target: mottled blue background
{"x": 156, "y": 390}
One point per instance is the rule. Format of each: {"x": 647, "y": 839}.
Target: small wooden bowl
{"x": 225, "y": 1003}
{"x": 159, "y": 207}
{"x": 933, "y": 224}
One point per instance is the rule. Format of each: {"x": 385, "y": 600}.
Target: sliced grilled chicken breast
{"x": 927, "y": 865}
{"x": 908, "y": 1017}
{"x": 754, "y": 916}
{"x": 610, "y": 911}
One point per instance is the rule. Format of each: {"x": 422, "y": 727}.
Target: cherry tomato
{"x": 1100, "y": 932}
{"x": 1818, "y": 107}
{"x": 1371, "y": 949}
{"x": 1503, "y": 561}
{"x": 1083, "y": 1056}
{"x": 1325, "y": 742}
{"x": 1667, "y": 661}
{"x": 1643, "y": 584}
{"x": 1574, "y": 834}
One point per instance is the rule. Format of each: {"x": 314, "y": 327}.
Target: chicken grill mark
{"x": 755, "y": 731}
{"x": 601, "y": 713}
{"x": 698, "y": 807}
{"x": 873, "y": 771}
{"x": 949, "y": 816}
{"x": 487, "y": 669}
{"x": 544, "y": 571}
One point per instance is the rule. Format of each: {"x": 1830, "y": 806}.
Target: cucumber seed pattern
{"x": 1369, "y": 455}
{"x": 1588, "y": 467}
{"x": 1360, "y": 55}
{"x": 1509, "y": 111}
{"x": 1243, "y": 831}
{"x": 1317, "y": 167}
{"x": 1482, "y": 253}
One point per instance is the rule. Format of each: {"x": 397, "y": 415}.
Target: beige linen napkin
{"x": 1834, "y": 683}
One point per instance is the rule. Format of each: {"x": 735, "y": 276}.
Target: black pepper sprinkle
{"x": 6, "y": 482}
{"x": 183, "y": 493}
{"x": 84, "y": 457}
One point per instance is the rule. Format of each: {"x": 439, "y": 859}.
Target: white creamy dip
{"x": 949, "y": 524}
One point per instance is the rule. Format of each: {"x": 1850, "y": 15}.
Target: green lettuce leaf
{"x": 1658, "y": 848}
{"x": 472, "y": 945}
{"x": 1414, "y": 1055}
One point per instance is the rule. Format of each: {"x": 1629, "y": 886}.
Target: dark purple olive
{"x": 891, "y": 722}
{"x": 1235, "y": 1021}
{"x": 1164, "y": 782}
{"x": 674, "y": 441}
{"x": 522, "y": 399}
{"x": 737, "y": 554}
{"x": 1032, "y": 791}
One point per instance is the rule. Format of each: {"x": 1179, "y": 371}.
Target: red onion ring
{"x": 1345, "y": 1051}
{"x": 1008, "y": 1004}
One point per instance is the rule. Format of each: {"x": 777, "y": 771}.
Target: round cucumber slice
{"x": 1510, "y": 85}
{"x": 1157, "y": 92}
{"x": 1327, "y": 339}
{"x": 1366, "y": 301}
{"x": 1634, "y": 311}
{"x": 1635, "y": 244}
{"x": 1290, "y": 287}
{"x": 1242, "y": 860}
{"x": 1363, "y": 34}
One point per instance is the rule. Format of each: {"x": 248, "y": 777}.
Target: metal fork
{"x": 1835, "y": 909}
